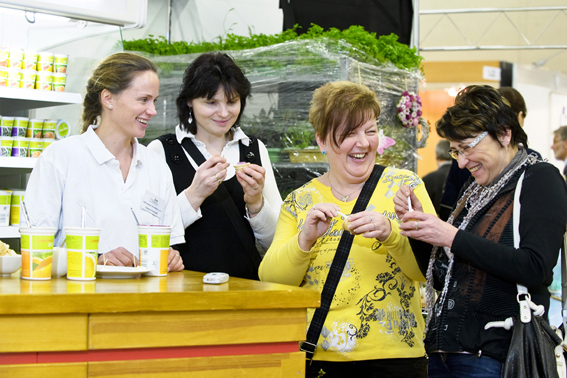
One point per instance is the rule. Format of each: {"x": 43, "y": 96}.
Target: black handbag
{"x": 532, "y": 348}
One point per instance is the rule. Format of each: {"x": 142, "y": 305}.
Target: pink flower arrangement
{"x": 409, "y": 109}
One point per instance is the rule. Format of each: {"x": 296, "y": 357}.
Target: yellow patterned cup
{"x": 82, "y": 253}
{"x": 37, "y": 252}
{"x": 154, "y": 248}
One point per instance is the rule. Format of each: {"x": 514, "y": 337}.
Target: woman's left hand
{"x": 174, "y": 261}
{"x": 428, "y": 228}
{"x": 370, "y": 225}
{"x": 252, "y": 179}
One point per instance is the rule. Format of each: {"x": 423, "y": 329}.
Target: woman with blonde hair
{"x": 105, "y": 170}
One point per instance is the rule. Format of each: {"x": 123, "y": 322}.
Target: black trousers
{"x": 384, "y": 368}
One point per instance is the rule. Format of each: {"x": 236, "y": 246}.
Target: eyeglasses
{"x": 466, "y": 150}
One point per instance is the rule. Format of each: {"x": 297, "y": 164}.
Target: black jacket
{"x": 487, "y": 267}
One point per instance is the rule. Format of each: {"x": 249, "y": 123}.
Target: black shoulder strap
{"x": 223, "y": 196}
{"x": 337, "y": 267}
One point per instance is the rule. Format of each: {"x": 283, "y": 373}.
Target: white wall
{"x": 206, "y": 20}
{"x": 539, "y": 87}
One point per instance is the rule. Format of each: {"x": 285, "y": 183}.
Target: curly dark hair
{"x": 203, "y": 78}
{"x": 480, "y": 108}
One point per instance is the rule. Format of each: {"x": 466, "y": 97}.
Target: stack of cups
{"x": 37, "y": 252}
{"x": 154, "y": 249}
{"x": 60, "y": 63}
{"x": 30, "y": 60}
{"x": 6, "y": 125}
{"x": 15, "y": 58}
{"x": 35, "y": 147}
{"x": 6, "y": 140}
{"x": 28, "y": 79}
{"x": 5, "y": 201}
{"x": 35, "y": 128}
{"x": 17, "y": 199}
{"x": 3, "y": 58}
{"x": 20, "y": 143}
{"x": 13, "y": 77}
{"x": 60, "y": 72}
{"x": 48, "y": 130}
{"x": 44, "y": 79}
{"x": 6, "y": 143}
{"x": 45, "y": 62}
{"x": 3, "y": 67}
{"x": 20, "y": 127}
{"x": 82, "y": 253}
{"x": 29, "y": 65}
{"x": 3, "y": 74}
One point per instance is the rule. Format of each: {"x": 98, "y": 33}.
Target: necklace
{"x": 344, "y": 198}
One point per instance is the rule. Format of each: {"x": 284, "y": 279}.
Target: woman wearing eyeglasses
{"x": 470, "y": 259}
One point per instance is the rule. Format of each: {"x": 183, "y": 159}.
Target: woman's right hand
{"x": 207, "y": 179}
{"x": 401, "y": 201}
{"x": 118, "y": 257}
{"x": 316, "y": 224}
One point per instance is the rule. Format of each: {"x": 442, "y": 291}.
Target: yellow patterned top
{"x": 376, "y": 311}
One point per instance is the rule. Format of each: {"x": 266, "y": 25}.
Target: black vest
{"x": 212, "y": 244}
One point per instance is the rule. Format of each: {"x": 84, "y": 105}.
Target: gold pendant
{"x": 345, "y": 198}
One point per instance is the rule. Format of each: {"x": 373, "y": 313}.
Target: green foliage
{"x": 385, "y": 48}
{"x": 300, "y": 136}
{"x": 279, "y": 130}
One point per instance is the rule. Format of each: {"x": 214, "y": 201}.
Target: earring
{"x": 110, "y": 106}
{"x": 324, "y": 152}
{"x": 190, "y": 120}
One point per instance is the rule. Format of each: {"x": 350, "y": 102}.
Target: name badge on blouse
{"x": 153, "y": 204}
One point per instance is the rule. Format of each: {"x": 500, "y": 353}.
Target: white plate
{"x": 119, "y": 271}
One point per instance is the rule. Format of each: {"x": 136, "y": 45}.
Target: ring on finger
{"x": 416, "y": 225}
{"x": 255, "y": 188}
{"x": 374, "y": 225}
{"x": 314, "y": 207}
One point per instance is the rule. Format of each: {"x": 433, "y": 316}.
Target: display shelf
{"x": 17, "y": 162}
{"x": 9, "y": 232}
{"x": 19, "y": 99}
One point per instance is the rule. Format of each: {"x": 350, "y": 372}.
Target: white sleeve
{"x": 173, "y": 212}
{"x": 44, "y": 195}
{"x": 264, "y": 223}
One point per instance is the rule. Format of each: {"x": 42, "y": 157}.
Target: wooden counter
{"x": 152, "y": 327}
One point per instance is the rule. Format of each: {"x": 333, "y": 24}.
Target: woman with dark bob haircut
{"x": 224, "y": 180}
{"x": 471, "y": 259}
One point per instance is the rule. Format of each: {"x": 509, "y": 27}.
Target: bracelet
{"x": 254, "y": 212}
